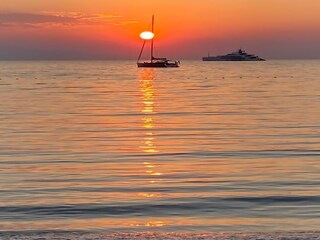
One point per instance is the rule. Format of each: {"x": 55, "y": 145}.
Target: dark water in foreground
{"x": 209, "y": 147}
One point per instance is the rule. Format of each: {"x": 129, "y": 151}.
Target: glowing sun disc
{"x": 146, "y": 35}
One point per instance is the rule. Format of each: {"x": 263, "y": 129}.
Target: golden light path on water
{"x": 146, "y": 84}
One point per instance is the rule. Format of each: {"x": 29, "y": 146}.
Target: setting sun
{"x": 147, "y": 35}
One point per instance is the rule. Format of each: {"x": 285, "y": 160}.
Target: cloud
{"x": 11, "y": 19}
{"x": 128, "y": 22}
{"x": 30, "y": 18}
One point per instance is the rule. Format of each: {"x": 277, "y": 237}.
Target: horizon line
{"x": 126, "y": 59}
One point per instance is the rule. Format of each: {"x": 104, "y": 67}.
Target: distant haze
{"x": 185, "y": 29}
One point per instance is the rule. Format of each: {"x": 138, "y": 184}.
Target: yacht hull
{"x": 224, "y": 60}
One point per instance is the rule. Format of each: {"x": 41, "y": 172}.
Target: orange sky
{"x": 105, "y": 29}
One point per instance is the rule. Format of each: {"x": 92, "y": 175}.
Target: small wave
{"x": 160, "y": 235}
{"x": 170, "y": 207}
{"x": 277, "y": 199}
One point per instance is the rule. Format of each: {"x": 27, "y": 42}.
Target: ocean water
{"x": 96, "y": 147}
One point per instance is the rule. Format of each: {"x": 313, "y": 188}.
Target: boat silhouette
{"x": 239, "y": 55}
{"x": 155, "y": 62}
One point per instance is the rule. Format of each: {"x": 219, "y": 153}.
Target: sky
{"x": 184, "y": 29}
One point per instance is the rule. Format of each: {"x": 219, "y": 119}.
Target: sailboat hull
{"x": 157, "y": 65}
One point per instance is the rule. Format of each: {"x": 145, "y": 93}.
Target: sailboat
{"x": 155, "y": 62}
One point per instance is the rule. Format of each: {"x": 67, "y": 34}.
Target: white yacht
{"x": 239, "y": 55}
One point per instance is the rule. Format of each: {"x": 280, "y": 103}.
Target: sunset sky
{"x": 185, "y": 29}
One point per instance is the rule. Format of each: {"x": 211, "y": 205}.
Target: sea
{"x": 210, "y": 150}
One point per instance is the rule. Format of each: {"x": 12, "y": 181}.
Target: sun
{"x": 147, "y": 35}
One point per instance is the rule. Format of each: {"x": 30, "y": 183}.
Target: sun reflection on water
{"x": 148, "y": 146}
{"x": 148, "y": 102}
{"x": 149, "y": 224}
{"x": 147, "y": 90}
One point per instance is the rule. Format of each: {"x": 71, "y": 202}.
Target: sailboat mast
{"x": 144, "y": 43}
{"x": 152, "y": 30}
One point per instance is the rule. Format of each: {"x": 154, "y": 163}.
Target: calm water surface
{"x": 208, "y": 147}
